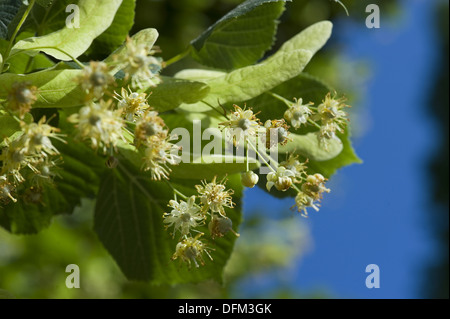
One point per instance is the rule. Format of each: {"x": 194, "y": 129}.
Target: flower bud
{"x": 249, "y": 179}
{"x": 219, "y": 226}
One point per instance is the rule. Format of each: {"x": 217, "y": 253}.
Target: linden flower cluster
{"x": 329, "y": 117}
{"x": 187, "y": 215}
{"x": 31, "y": 155}
{"x": 104, "y": 123}
{"x": 290, "y": 174}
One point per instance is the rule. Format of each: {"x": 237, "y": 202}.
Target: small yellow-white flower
{"x": 311, "y": 192}
{"x": 133, "y": 104}
{"x": 100, "y": 124}
{"x": 293, "y": 164}
{"x": 191, "y": 250}
{"x": 333, "y": 118}
{"x": 95, "y": 79}
{"x": 14, "y": 158}
{"x": 6, "y": 190}
{"x": 150, "y": 127}
{"x": 242, "y": 123}
{"x": 184, "y": 216}
{"x": 21, "y": 96}
{"x": 214, "y": 197}
{"x": 298, "y": 113}
{"x": 330, "y": 110}
{"x": 158, "y": 153}
{"x": 282, "y": 179}
{"x": 276, "y": 132}
{"x": 303, "y": 201}
{"x": 36, "y": 138}
{"x": 315, "y": 186}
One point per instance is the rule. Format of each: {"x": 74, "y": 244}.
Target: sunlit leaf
{"x": 95, "y": 17}
{"x": 241, "y": 37}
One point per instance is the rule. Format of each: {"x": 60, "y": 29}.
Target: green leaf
{"x": 95, "y": 17}
{"x": 8, "y": 126}
{"x": 8, "y": 10}
{"x": 48, "y": 17}
{"x": 57, "y": 88}
{"x": 241, "y": 37}
{"x": 312, "y": 38}
{"x": 22, "y": 63}
{"x": 128, "y": 221}
{"x": 116, "y": 34}
{"x": 251, "y": 81}
{"x": 171, "y": 93}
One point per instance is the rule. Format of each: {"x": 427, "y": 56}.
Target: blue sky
{"x": 377, "y": 211}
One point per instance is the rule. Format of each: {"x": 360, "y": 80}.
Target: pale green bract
{"x": 248, "y": 82}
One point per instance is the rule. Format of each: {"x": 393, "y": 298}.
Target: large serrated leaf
{"x": 241, "y": 37}
{"x": 95, "y": 17}
{"x": 128, "y": 221}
